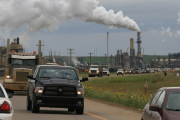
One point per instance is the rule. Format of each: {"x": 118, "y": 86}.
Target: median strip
{"x": 95, "y": 116}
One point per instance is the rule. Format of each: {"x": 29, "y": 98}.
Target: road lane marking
{"x": 95, "y": 116}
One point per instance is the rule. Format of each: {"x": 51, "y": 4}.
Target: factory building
{"x": 132, "y": 60}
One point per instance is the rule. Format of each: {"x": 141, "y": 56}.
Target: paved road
{"x": 94, "y": 110}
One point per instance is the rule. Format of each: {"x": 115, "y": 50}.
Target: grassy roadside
{"x": 1, "y": 78}
{"x": 128, "y": 90}
{"x": 85, "y": 74}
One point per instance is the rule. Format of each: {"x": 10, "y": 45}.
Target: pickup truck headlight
{"x": 89, "y": 71}
{"x": 39, "y": 89}
{"x": 97, "y": 71}
{"x": 80, "y": 91}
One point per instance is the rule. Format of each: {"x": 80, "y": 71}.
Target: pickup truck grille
{"x": 93, "y": 71}
{"x": 60, "y": 91}
{"x": 21, "y": 76}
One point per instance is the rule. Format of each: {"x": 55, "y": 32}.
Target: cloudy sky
{"x": 83, "y": 26}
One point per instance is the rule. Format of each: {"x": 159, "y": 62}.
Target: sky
{"x": 82, "y": 25}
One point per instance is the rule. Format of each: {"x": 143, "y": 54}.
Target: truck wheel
{"x": 71, "y": 109}
{"x": 35, "y": 108}
{"x": 28, "y": 103}
{"x": 89, "y": 75}
{"x": 80, "y": 110}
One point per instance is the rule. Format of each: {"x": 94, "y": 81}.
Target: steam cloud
{"x": 46, "y": 14}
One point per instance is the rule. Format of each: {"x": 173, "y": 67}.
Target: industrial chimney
{"x": 139, "y": 44}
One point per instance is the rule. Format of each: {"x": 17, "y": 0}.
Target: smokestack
{"x": 131, "y": 46}
{"x": 17, "y": 40}
{"x": 8, "y": 47}
{"x": 8, "y": 41}
{"x": 108, "y": 46}
{"x": 39, "y": 52}
{"x": 139, "y": 44}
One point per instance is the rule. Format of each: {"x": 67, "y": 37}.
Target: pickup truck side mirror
{"x": 84, "y": 79}
{"x": 30, "y": 76}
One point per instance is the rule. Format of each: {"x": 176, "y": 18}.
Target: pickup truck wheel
{"x": 80, "y": 110}
{"x": 28, "y": 103}
{"x": 71, "y": 109}
{"x": 35, "y": 108}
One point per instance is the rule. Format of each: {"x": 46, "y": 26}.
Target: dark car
{"x": 132, "y": 71}
{"x": 165, "y": 105}
{"x": 55, "y": 86}
{"x": 137, "y": 71}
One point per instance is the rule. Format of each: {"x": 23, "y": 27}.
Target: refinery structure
{"x": 131, "y": 58}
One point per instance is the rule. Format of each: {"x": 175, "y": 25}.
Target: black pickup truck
{"x": 55, "y": 86}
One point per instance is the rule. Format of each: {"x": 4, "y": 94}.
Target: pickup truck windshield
{"x": 58, "y": 73}
{"x": 94, "y": 66}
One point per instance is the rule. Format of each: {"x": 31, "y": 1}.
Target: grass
{"x": 1, "y": 77}
{"x": 129, "y": 90}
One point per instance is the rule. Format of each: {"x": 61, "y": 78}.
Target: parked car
{"x": 106, "y": 72}
{"x": 164, "y": 105}
{"x": 120, "y": 71}
{"x": 6, "y": 110}
{"x": 56, "y": 87}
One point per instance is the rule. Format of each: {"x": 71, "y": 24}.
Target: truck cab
{"x": 95, "y": 70}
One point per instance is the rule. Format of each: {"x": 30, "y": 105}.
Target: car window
{"x": 155, "y": 98}
{"x": 1, "y": 93}
{"x": 173, "y": 101}
{"x": 161, "y": 99}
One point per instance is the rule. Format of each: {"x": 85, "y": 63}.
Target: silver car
{"x": 6, "y": 110}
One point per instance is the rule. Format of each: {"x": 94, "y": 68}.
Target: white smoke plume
{"x": 46, "y": 14}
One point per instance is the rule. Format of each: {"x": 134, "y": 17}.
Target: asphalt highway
{"x": 94, "y": 110}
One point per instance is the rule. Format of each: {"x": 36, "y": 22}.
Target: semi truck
{"x": 18, "y": 66}
{"x": 95, "y": 70}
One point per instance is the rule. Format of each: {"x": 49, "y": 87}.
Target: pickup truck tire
{"x": 80, "y": 110}
{"x": 35, "y": 108}
{"x": 71, "y": 109}
{"x": 28, "y": 103}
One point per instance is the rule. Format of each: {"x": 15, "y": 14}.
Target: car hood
{"x": 59, "y": 82}
{"x": 172, "y": 115}
{"x": 93, "y": 69}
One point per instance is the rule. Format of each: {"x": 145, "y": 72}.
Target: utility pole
{"x": 105, "y": 58}
{"x": 59, "y": 57}
{"x": 108, "y": 46}
{"x": 71, "y": 55}
{"x": 49, "y": 55}
{"x": 39, "y": 51}
{"x": 1, "y": 55}
{"x": 90, "y": 57}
